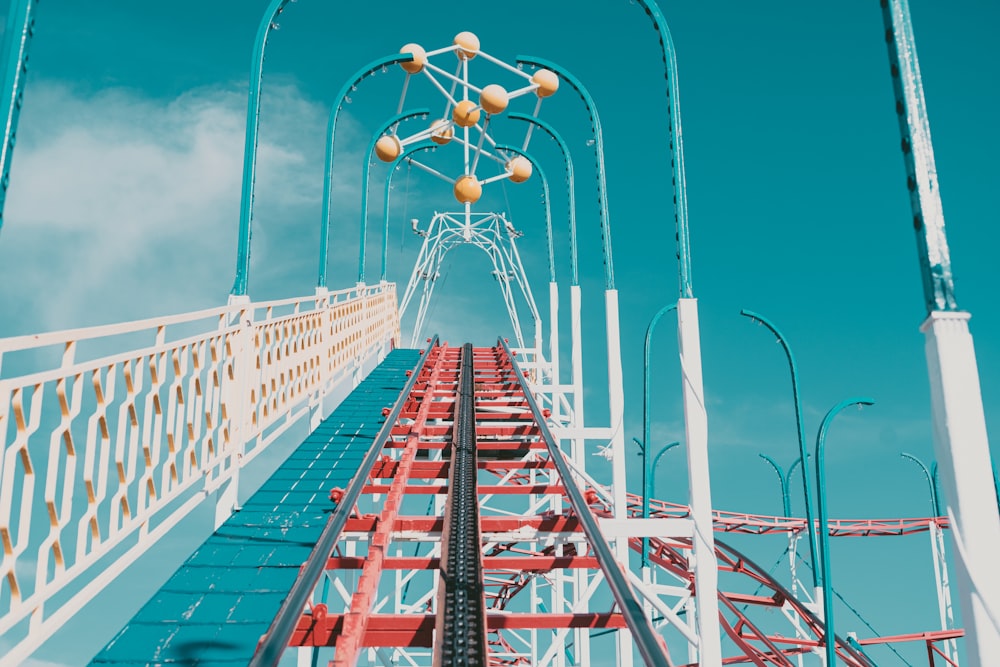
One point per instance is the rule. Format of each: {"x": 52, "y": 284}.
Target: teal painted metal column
{"x": 404, "y": 156}
{"x": 570, "y": 185}
{"x": 331, "y": 129}
{"x": 800, "y": 426}
{"x": 17, "y": 41}
{"x": 595, "y": 126}
{"x": 545, "y": 201}
{"x": 366, "y": 172}
{"x": 250, "y": 146}
{"x": 831, "y": 637}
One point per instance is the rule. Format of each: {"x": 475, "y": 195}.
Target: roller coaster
{"x": 438, "y": 505}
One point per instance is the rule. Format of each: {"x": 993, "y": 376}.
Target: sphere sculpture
{"x": 494, "y": 99}
{"x": 388, "y": 148}
{"x": 441, "y": 131}
{"x": 547, "y": 82}
{"x": 468, "y": 190}
{"x": 468, "y": 45}
{"x": 519, "y": 168}
{"x": 419, "y": 58}
{"x": 465, "y": 113}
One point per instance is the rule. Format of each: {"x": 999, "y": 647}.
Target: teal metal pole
{"x": 646, "y": 416}
{"x": 352, "y": 83}
{"x": 800, "y": 425}
{"x": 676, "y": 145}
{"x": 408, "y": 151}
{"x": 366, "y": 172}
{"x": 784, "y": 478}
{"x": 570, "y": 186}
{"x": 250, "y": 146}
{"x": 20, "y": 29}
{"x": 935, "y": 505}
{"x": 595, "y": 126}
{"x": 652, "y": 468}
{"x": 830, "y": 634}
{"x": 545, "y": 201}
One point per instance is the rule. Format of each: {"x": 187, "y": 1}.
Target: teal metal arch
{"x": 324, "y": 230}
{"x": 267, "y": 23}
{"x": 366, "y": 171}
{"x": 250, "y": 146}
{"x": 647, "y": 469}
{"x": 545, "y": 200}
{"x": 404, "y": 156}
{"x": 783, "y": 478}
{"x": 830, "y": 635}
{"x": 20, "y": 29}
{"x": 801, "y": 432}
{"x": 570, "y": 184}
{"x": 676, "y": 145}
{"x": 595, "y": 126}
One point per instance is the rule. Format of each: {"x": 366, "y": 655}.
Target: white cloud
{"x": 122, "y": 206}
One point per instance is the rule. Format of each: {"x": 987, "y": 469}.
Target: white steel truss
{"x": 494, "y": 235}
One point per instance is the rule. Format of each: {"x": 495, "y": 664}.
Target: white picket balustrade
{"x": 102, "y": 456}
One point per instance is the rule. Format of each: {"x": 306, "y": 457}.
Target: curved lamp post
{"x": 267, "y": 23}
{"x": 338, "y": 103}
{"x": 366, "y": 172}
{"x": 935, "y": 505}
{"x": 408, "y": 152}
{"x": 598, "y": 132}
{"x": 646, "y": 418}
{"x": 573, "y": 259}
{"x": 830, "y": 634}
{"x": 547, "y": 127}
{"x": 545, "y": 201}
{"x": 783, "y": 478}
{"x": 576, "y": 347}
{"x": 800, "y": 426}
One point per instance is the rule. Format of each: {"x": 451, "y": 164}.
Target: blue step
{"x": 216, "y": 606}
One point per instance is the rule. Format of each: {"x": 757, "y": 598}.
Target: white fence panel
{"x": 127, "y": 443}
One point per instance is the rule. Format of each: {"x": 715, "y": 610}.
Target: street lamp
{"x": 649, "y": 483}
{"x": 405, "y": 156}
{"x": 570, "y": 182}
{"x": 267, "y": 23}
{"x": 379, "y": 65}
{"x": 390, "y": 124}
{"x": 935, "y": 505}
{"x": 783, "y": 478}
{"x": 831, "y": 637}
{"x": 649, "y": 486}
{"x": 800, "y": 425}
{"x": 938, "y": 557}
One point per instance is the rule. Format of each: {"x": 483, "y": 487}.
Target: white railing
{"x": 104, "y": 451}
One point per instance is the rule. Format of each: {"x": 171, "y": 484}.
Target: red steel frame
{"x": 510, "y": 448}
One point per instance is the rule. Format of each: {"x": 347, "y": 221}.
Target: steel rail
{"x": 275, "y": 640}
{"x": 461, "y": 619}
{"x": 646, "y": 638}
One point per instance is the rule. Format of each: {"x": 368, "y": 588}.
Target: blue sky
{"x": 125, "y": 197}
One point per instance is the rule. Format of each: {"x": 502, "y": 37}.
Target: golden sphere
{"x": 465, "y": 113}
{"x": 547, "y": 81}
{"x": 419, "y": 58}
{"x": 468, "y": 45}
{"x": 388, "y": 148}
{"x": 441, "y": 131}
{"x": 468, "y": 190}
{"x": 519, "y": 168}
{"x": 493, "y": 99}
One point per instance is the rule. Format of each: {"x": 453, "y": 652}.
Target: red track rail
{"x": 412, "y": 473}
